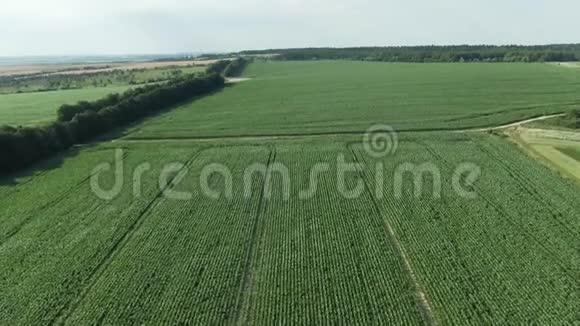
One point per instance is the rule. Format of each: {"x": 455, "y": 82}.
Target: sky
{"x": 96, "y": 27}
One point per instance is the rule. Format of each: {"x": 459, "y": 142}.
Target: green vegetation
{"x": 341, "y": 96}
{"x": 569, "y": 121}
{"x": 68, "y": 112}
{"x": 571, "y": 152}
{"x": 462, "y": 53}
{"x": 286, "y": 245}
{"x": 80, "y": 231}
{"x": 218, "y": 67}
{"x": 327, "y": 257}
{"x": 516, "y": 233}
{"x": 228, "y": 67}
{"x": 39, "y": 108}
{"x": 82, "y": 79}
{"x": 553, "y": 148}
{"x": 23, "y": 146}
{"x": 236, "y": 67}
{"x": 263, "y": 260}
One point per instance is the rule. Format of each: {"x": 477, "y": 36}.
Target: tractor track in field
{"x": 509, "y": 218}
{"x": 34, "y": 214}
{"x": 523, "y": 180}
{"x": 243, "y": 300}
{"x": 70, "y": 307}
{"x": 425, "y": 305}
{"x": 60, "y": 198}
{"x": 291, "y": 136}
{"x": 517, "y": 123}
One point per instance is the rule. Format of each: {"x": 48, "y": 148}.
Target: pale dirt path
{"x": 514, "y": 124}
{"x": 236, "y": 80}
{"x": 426, "y": 304}
{"x": 317, "y": 135}
{"x": 566, "y": 64}
{"x": 550, "y": 134}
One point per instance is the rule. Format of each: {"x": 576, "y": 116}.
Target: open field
{"x": 507, "y": 256}
{"x": 573, "y": 152}
{"x": 41, "y": 107}
{"x": 134, "y": 66}
{"x": 329, "y": 97}
{"x": 557, "y": 149}
{"x": 264, "y": 204}
{"x": 35, "y": 83}
{"x": 32, "y": 108}
{"x": 95, "y": 68}
{"x": 562, "y": 125}
{"x": 575, "y": 65}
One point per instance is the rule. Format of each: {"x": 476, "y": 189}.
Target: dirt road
{"x": 514, "y": 124}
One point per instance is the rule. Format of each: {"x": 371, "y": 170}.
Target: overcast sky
{"x": 75, "y": 27}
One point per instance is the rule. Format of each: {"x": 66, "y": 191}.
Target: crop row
{"x": 507, "y": 256}
{"x": 53, "y": 257}
{"x": 326, "y": 259}
{"x": 186, "y": 262}
{"x": 483, "y": 260}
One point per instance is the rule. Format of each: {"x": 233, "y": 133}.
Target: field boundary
{"x": 520, "y": 123}
{"x": 422, "y": 298}
{"x": 287, "y": 136}
{"x": 70, "y": 307}
{"x": 524, "y": 181}
{"x": 529, "y": 147}
{"x": 510, "y": 220}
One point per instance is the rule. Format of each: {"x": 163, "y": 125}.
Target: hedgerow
{"x": 236, "y": 67}
{"x": 23, "y": 146}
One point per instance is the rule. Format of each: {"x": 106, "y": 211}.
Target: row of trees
{"x": 484, "y": 53}
{"x": 228, "y": 68}
{"x": 56, "y": 81}
{"x": 67, "y": 112}
{"x": 218, "y": 67}
{"x": 23, "y": 146}
{"x": 236, "y": 67}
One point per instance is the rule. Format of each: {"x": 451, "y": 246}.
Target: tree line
{"x": 218, "y": 67}
{"x": 570, "y": 120}
{"x": 236, "y": 67}
{"x": 461, "y": 53}
{"x": 42, "y": 82}
{"x": 228, "y": 67}
{"x": 67, "y": 112}
{"x": 22, "y": 146}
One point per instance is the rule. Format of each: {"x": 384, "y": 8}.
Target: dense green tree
{"x": 479, "y": 53}
{"x": 23, "y": 146}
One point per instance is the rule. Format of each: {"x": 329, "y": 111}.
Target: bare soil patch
{"x": 80, "y": 69}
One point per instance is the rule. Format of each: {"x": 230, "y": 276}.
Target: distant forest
{"x": 460, "y": 53}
